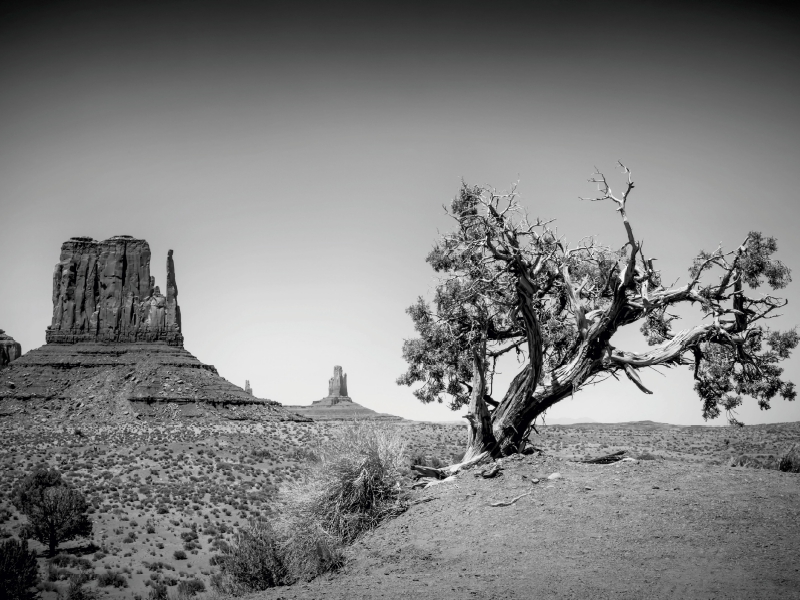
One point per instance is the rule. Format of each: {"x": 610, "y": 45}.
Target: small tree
{"x": 18, "y": 570}
{"x": 56, "y": 511}
{"x": 511, "y": 284}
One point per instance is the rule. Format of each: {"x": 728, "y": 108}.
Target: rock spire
{"x": 337, "y": 385}
{"x": 103, "y": 292}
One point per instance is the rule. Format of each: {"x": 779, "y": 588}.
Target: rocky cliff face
{"x": 9, "y": 349}
{"x": 114, "y": 351}
{"x": 103, "y": 292}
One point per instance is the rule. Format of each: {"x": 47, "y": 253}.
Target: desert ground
{"x": 678, "y": 522}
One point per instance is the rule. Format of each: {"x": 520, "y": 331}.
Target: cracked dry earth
{"x": 652, "y": 529}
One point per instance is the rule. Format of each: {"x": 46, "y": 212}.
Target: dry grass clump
{"x": 356, "y": 483}
{"x": 351, "y": 487}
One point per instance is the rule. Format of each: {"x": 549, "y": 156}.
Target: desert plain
{"x": 677, "y": 521}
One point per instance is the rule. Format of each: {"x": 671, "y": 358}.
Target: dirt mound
{"x": 650, "y": 529}
{"x": 124, "y": 382}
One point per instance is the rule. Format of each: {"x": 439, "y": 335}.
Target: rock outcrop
{"x": 247, "y": 388}
{"x": 337, "y": 389}
{"x": 10, "y": 350}
{"x": 337, "y": 385}
{"x": 114, "y": 349}
{"x": 103, "y": 292}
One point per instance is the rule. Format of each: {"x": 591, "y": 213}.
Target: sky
{"x": 297, "y": 156}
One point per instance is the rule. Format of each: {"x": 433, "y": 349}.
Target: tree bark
{"x": 508, "y": 423}
{"x": 480, "y": 437}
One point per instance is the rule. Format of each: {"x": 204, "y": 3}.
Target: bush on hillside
{"x": 356, "y": 483}
{"x": 253, "y": 562}
{"x": 114, "y": 578}
{"x": 158, "y": 592}
{"x": 351, "y": 487}
{"x": 76, "y": 591}
{"x": 187, "y": 589}
{"x": 790, "y": 462}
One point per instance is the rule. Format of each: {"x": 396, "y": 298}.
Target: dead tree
{"x": 509, "y": 283}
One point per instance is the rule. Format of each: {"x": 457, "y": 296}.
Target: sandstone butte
{"x": 114, "y": 350}
{"x": 337, "y": 404}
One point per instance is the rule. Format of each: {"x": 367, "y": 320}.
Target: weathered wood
{"x": 604, "y": 460}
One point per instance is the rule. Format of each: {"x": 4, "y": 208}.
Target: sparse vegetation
{"x": 112, "y": 467}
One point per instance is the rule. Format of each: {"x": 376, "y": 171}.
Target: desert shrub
{"x": 253, "y": 562}
{"x": 356, "y": 483}
{"x": 192, "y": 587}
{"x": 81, "y": 578}
{"x": 790, "y": 462}
{"x": 113, "y": 578}
{"x": 61, "y": 560}
{"x": 76, "y": 591}
{"x": 158, "y": 591}
{"x": 311, "y": 551}
{"x": 179, "y": 555}
{"x": 18, "y": 570}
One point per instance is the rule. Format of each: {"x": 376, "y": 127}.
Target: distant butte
{"x": 337, "y": 404}
{"x": 115, "y": 350}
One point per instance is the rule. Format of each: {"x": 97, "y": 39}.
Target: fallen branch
{"x": 445, "y": 472}
{"x": 510, "y": 502}
{"x": 605, "y": 460}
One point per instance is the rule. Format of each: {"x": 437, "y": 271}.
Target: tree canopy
{"x": 56, "y": 511}
{"x": 509, "y": 283}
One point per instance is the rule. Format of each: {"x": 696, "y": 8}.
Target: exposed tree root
{"x": 444, "y": 472}
{"x": 510, "y": 502}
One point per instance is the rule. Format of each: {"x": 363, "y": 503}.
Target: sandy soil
{"x": 653, "y": 529}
